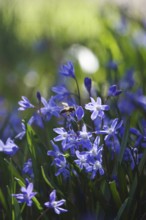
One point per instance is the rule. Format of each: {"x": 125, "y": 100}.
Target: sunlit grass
{"x": 73, "y": 19}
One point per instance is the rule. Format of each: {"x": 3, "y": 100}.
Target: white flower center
{"x": 97, "y": 165}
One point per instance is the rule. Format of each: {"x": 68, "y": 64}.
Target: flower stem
{"x": 79, "y": 96}
{"x": 42, "y": 214}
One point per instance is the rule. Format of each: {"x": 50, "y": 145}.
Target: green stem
{"x": 22, "y": 208}
{"x": 42, "y": 214}
{"x": 79, "y": 96}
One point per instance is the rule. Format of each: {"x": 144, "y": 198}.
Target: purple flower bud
{"x": 112, "y": 65}
{"x": 113, "y": 91}
{"x": 88, "y": 84}
{"x": 79, "y": 113}
{"x": 38, "y": 95}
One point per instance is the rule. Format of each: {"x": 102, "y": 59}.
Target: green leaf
{"x": 45, "y": 178}
{"x": 36, "y": 202}
{"x": 132, "y": 199}
{"x": 16, "y": 212}
{"x": 13, "y": 170}
{"x": 3, "y": 201}
{"x": 142, "y": 162}
{"x": 122, "y": 182}
{"x": 124, "y": 140}
{"x": 121, "y": 211}
{"x": 115, "y": 194}
{"x": 20, "y": 182}
{"x": 30, "y": 139}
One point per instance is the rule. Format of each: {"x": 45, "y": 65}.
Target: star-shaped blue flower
{"x": 52, "y": 203}
{"x": 67, "y": 70}
{"x": 96, "y": 108}
{"x": 26, "y": 195}
{"x": 24, "y": 104}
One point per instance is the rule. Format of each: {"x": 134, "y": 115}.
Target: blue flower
{"x": 84, "y": 134}
{"x": 111, "y": 129}
{"x": 24, "y": 104}
{"x": 132, "y": 156}
{"x": 71, "y": 141}
{"x": 27, "y": 168}
{"x": 127, "y": 82}
{"x": 113, "y": 91}
{"x": 26, "y": 195}
{"x": 112, "y": 65}
{"x": 96, "y": 167}
{"x": 67, "y": 70}
{"x": 22, "y": 133}
{"x": 82, "y": 160}
{"x": 50, "y": 108}
{"x": 36, "y": 120}
{"x": 84, "y": 137}
{"x": 10, "y": 124}
{"x": 91, "y": 160}
{"x": 55, "y": 152}
{"x": 96, "y": 108}
{"x": 62, "y": 134}
{"x": 9, "y": 148}
{"x": 95, "y": 159}
{"x": 95, "y": 149}
{"x": 125, "y": 104}
{"x": 62, "y": 92}
{"x": 55, "y": 204}
{"x": 62, "y": 166}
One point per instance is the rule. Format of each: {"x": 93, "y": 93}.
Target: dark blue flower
{"x": 126, "y": 104}
{"x": 27, "y": 168}
{"x": 55, "y": 152}
{"x": 36, "y": 120}
{"x": 26, "y": 195}
{"x": 55, "y": 204}
{"x": 132, "y": 156}
{"x": 113, "y": 91}
{"x": 62, "y": 166}
{"x": 127, "y": 82}
{"x": 138, "y": 137}
{"x": 112, "y": 65}
{"x": 88, "y": 84}
{"x": 11, "y": 125}
{"x": 38, "y": 95}
{"x": 67, "y": 70}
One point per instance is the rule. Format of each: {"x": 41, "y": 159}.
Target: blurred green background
{"x": 37, "y": 36}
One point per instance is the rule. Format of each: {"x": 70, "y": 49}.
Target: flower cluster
{"x": 89, "y": 141}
